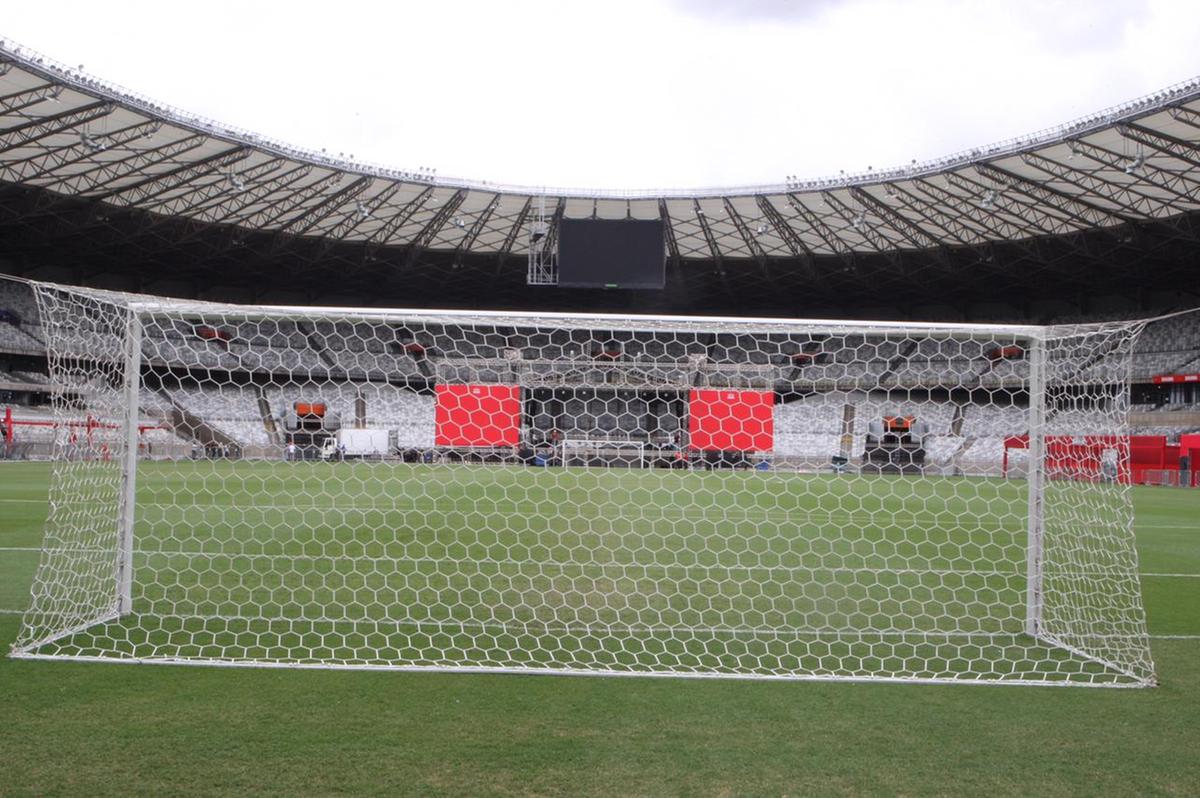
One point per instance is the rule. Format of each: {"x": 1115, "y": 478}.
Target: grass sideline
{"x": 68, "y": 728}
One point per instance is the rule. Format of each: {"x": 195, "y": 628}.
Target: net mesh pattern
{"x": 706, "y": 497}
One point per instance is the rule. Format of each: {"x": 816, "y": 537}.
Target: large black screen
{"x": 610, "y": 253}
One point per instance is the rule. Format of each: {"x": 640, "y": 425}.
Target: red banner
{"x": 731, "y": 421}
{"x": 478, "y": 415}
{"x": 1170, "y": 378}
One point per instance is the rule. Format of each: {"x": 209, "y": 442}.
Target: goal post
{"x": 784, "y": 499}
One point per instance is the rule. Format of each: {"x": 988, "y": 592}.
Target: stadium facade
{"x": 101, "y": 187}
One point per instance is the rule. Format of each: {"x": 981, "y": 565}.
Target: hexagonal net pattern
{"x": 711, "y": 497}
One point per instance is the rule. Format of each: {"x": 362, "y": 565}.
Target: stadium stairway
{"x": 190, "y": 427}
{"x": 898, "y": 360}
{"x": 264, "y": 409}
{"x": 314, "y": 341}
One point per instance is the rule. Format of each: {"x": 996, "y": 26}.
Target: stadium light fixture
{"x": 989, "y": 199}
{"x": 361, "y": 209}
{"x": 860, "y": 221}
{"x": 1135, "y": 165}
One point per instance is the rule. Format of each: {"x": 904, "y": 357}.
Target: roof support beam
{"x": 1134, "y": 204}
{"x": 234, "y": 208}
{"x": 383, "y": 234}
{"x": 474, "y": 230}
{"x": 906, "y": 229}
{"x": 751, "y": 240}
{"x": 784, "y": 230}
{"x": 1185, "y": 115}
{"x": 358, "y": 217}
{"x": 266, "y": 216}
{"x": 157, "y": 185}
{"x": 669, "y": 232}
{"x": 752, "y": 243}
{"x": 1083, "y": 212}
{"x": 424, "y": 238}
{"x": 702, "y": 220}
{"x": 1043, "y": 198}
{"x": 86, "y": 181}
{"x": 1165, "y": 143}
{"x": 213, "y": 201}
{"x": 898, "y": 273}
{"x": 11, "y": 104}
{"x": 513, "y": 232}
{"x": 971, "y": 225}
{"x": 27, "y": 133}
{"x": 835, "y": 244}
{"x": 1027, "y": 218}
{"x": 315, "y": 214}
{"x": 52, "y": 159}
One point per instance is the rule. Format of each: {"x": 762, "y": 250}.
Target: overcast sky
{"x": 629, "y": 94}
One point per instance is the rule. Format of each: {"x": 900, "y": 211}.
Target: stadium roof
{"x": 68, "y": 140}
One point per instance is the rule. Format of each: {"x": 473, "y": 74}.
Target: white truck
{"x": 356, "y": 444}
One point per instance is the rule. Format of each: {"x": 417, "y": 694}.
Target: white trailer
{"x": 357, "y": 443}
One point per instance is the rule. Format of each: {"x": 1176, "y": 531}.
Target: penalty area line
{"x": 1174, "y": 637}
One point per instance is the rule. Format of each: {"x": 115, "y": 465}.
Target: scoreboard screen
{"x": 611, "y": 253}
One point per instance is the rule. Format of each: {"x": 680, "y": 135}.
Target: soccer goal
{"x": 795, "y": 499}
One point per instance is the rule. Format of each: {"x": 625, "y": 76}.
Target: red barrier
{"x": 478, "y": 415}
{"x": 1138, "y": 458}
{"x": 731, "y": 421}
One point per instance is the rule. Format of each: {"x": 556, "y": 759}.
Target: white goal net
{"x": 618, "y": 495}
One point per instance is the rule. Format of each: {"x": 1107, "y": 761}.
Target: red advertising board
{"x": 731, "y": 421}
{"x": 478, "y": 415}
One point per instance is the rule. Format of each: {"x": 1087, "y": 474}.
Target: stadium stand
{"x": 370, "y": 374}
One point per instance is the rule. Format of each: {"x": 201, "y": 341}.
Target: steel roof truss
{"x": 1086, "y": 213}
{"x": 669, "y": 232}
{"x": 824, "y": 232}
{"x": 266, "y": 217}
{"x": 1133, "y": 204}
{"x": 316, "y": 214}
{"x": 18, "y": 101}
{"x": 468, "y": 240}
{"x": 434, "y": 225}
{"x": 52, "y": 159}
{"x": 86, "y": 181}
{"x": 158, "y": 184}
{"x": 27, "y": 133}
{"x": 513, "y": 232}
{"x": 707, "y": 231}
{"x": 384, "y": 234}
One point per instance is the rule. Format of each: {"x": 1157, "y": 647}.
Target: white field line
{"x": 1174, "y": 637}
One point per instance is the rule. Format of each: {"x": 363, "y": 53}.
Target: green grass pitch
{"x": 72, "y": 728}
